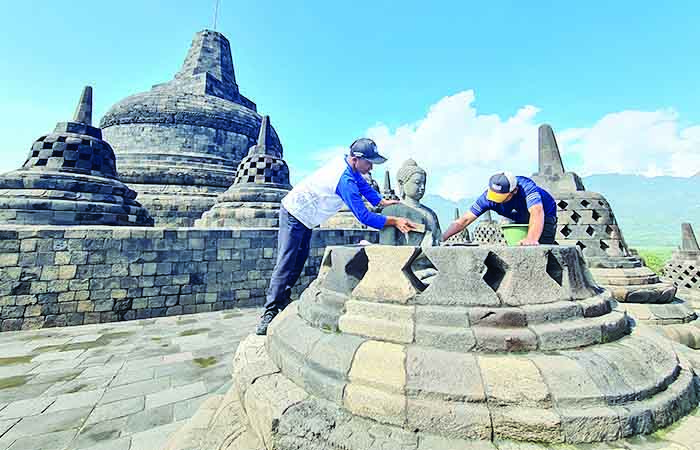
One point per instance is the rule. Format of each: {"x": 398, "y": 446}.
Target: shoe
{"x": 265, "y": 322}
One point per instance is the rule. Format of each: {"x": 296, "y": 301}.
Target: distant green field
{"x": 655, "y": 257}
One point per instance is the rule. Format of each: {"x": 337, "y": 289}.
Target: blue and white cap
{"x": 500, "y": 185}
{"x": 365, "y": 148}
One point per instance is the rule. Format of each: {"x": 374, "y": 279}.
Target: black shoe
{"x": 265, "y": 322}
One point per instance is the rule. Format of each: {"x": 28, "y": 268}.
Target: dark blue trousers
{"x": 293, "y": 245}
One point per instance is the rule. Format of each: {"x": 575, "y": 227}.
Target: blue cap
{"x": 500, "y": 185}
{"x": 366, "y": 149}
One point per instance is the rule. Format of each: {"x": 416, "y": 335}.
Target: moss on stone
{"x": 194, "y": 331}
{"x": 205, "y": 362}
{"x": 77, "y": 388}
{"x": 230, "y": 315}
{"x": 12, "y": 360}
{"x": 664, "y": 432}
{"x": 102, "y": 341}
{"x": 186, "y": 321}
{"x": 12, "y": 382}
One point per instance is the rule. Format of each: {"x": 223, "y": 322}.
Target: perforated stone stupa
{"x": 488, "y": 231}
{"x": 585, "y": 219}
{"x": 262, "y": 180}
{"x": 683, "y": 270}
{"x": 179, "y": 144}
{"x": 506, "y": 344}
{"x": 70, "y": 178}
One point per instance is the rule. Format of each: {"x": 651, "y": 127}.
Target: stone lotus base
{"x": 507, "y": 346}
{"x": 651, "y": 301}
{"x": 63, "y": 198}
{"x": 263, "y": 407}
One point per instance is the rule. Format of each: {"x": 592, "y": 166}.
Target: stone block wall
{"x": 58, "y": 276}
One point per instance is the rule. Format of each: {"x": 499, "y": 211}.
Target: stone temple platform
{"x": 124, "y": 386}
{"x": 510, "y": 348}
{"x": 179, "y": 143}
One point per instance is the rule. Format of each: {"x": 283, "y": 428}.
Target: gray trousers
{"x": 293, "y": 245}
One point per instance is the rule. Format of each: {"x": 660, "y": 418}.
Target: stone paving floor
{"x": 114, "y": 386}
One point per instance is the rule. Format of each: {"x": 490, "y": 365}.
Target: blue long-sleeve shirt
{"x": 351, "y": 188}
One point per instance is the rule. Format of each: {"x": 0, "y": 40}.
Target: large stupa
{"x": 179, "y": 144}
{"x": 507, "y": 348}
{"x": 70, "y": 178}
{"x": 586, "y": 220}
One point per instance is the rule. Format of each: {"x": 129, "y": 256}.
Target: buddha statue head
{"x": 411, "y": 179}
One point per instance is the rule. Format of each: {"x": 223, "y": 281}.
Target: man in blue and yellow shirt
{"x": 519, "y": 199}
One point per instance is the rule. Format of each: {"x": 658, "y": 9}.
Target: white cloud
{"x": 650, "y": 143}
{"x": 461, "y": 148}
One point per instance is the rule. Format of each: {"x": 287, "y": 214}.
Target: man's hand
{"x": 405, "y": 225}
{"x": 529, "y": 242}
{"x": 385, "y": 202}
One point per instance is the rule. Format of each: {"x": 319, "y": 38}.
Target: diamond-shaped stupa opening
{"x": 495, "y": 271}
{"x": 566, "y": 231}
{"x": 357, "y": 266}
{"x": 554, "y": 268}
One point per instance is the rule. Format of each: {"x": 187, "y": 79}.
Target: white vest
{"x": 313, "y": 201}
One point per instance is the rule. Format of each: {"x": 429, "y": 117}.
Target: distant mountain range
{"x": 649, "y": 210}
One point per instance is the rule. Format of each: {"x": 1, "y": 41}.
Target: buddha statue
{"x": 411, "y": 179}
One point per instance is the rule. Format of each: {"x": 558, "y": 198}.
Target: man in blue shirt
{"x": 313, "y": 201}
{"x": 519, "y": 199}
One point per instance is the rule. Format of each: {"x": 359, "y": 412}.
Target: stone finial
{"x": 83, "y": 112}
{"x": 387, "y": 192}
{"x": 210, "y": 53}
{"x": 262, "y": 147}
{"x": 688, "y": 241}
{"x": 551, "y": 174}
{"x": 549, "y": 157}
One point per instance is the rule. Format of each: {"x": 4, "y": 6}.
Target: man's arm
{"x": 535, "y": 226}
{"x": 368, "y": 191}
{"x": 459, "y": 225}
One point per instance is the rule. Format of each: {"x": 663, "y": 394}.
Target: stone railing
{"x": 58, "y": 276}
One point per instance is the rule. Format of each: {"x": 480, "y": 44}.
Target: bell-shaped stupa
{"x": 70, "y": 178}
{"x": 507, "y": 346}
{"x": 683, "y": 270}
{"x": 586, "y": 220}
{"x": 253, "y": 201}
{"x": 179, "y": 144}
{"x": 488, "y": 231}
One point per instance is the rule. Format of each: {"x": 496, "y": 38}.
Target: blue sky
{"x": 458, "y": 86}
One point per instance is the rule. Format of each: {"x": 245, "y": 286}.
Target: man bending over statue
{"x": 313, "y": 201}
{"x": 519, "y": 199}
